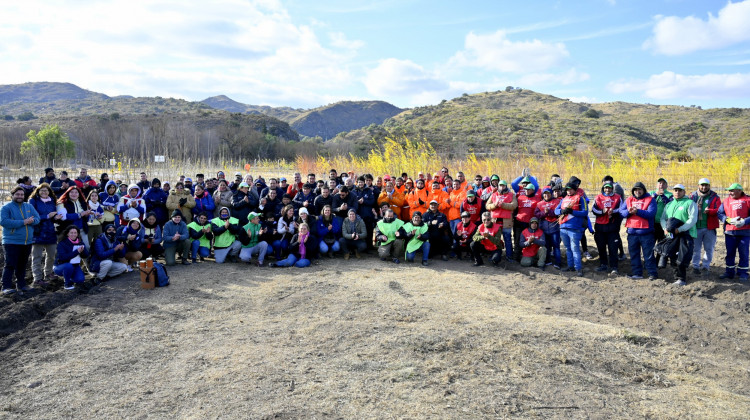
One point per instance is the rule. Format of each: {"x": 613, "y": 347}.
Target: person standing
{"x": 573, "y": 215}
{"x": 18, "y": 220}
{"x": 707, "y": 203}
{"x": 45, "y": 236}
{"x": 735, "y": 210}
{"x": 607, "y": 208}
{"x": 639, "y": 212}
{"x": 684, "y": 210}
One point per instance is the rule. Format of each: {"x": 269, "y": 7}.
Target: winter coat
{"x": 170, "y": 229}
{"x": 395, "y": 201}
{"x": 349, "y": 228}
{"x": 44, "y": 232}
{"x": 329, "y": 236}
{"x": 364, "y": 209}
{"x": 351, "y": 203}
{"x": 104, "y": 250}
{"x": 222, "y": 199}
{"x": 66, "y": 251}
{"x": 156, "y": 201}
{"x": 241, "y": 208}
{"x": 12, "y": 216}
{"x": 204, "y": 203}
{"x": 130, "y": 246}
{"x": 173, "y": 203}
{"x": 124, "y": 206}
{"x": 106, "y": 200}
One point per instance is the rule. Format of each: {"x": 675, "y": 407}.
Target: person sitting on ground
{"x": 354, "y": 231}
{"x": 462, "y": 237}
{"x": 286, "y": 226}
{"x": 390, "y": 235}
{"x": 225, "y": 229}
{"x": 176, "y": 239}
{"x": 131, "y": 236}
{"x": 298, "y": 255}
{"x": 106, "y": 255}
{"x": 532, "y": 245}
{"x": 151, "y": 246}
{"x": 252, "y": 244}
{"x": 487, "y": 240}
{"x": 201, "y": 235}
{"x": 329, "y": 232}
{"x": 70, "y": 251}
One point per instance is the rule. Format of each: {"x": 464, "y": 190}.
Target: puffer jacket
{"x": 44, "y": 232}
{"x": 15, "y": 232}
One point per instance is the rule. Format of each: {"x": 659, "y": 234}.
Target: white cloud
{"x": 670, "y": 85}
{"x": 584, "y": 99}
{"x": 565, "y": 78}
{"x": 497, "y": 53}
{"x": 394, "y": 77}
{"x": 157, "y": 48}
{"x": 675, "y": 35}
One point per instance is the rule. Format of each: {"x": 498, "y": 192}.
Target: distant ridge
{"x": 45, "y": 92}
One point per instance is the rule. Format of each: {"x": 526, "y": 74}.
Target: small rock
{"x": 34, "y": 384}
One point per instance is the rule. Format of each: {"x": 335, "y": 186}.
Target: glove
{"x": 567, "y": 210}
{"x": 183, "y": 201}
{"x": 740, "y": 222}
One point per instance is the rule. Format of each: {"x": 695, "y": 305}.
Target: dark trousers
{"x": 735, "y": 245}
{"x": 607, "y": 245}
{"x": 683, "y": 244}
{"x": 459, "y": 249}
{"x": 518, "y": 228}
{"x": 478, "y": 248}
{"x": 440, "y": 244}
{"x": 350, "y": 244}
{"x": 16, "y": 258}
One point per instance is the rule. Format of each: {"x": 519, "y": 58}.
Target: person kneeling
{"x": 176, "y": 239}
{"x": 418, "y": 238}
{"x": 389, "y": 234}
{"x": 106, "y": 255}
{"x": 532, "y": 245}
{"x": 488, "y": 239}
{"x": 251, "y": 244}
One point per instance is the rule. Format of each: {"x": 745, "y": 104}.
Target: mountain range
{"x": 511, "y": 120}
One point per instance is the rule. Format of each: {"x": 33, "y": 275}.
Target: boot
{"x": 662, "y": 261}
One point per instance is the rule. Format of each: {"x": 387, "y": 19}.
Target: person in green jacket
{"x": 200, "y": 235}
{"x": 225, "y": 229}
{"x": 683, "y": 209}
{"x": 254, "y": 231}
{"x": 663, "y": 196}
{"x": 389, "y": 236}
{"x": 418, "y": 238}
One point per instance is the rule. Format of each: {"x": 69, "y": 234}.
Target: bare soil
{"x": 369, "y": 339}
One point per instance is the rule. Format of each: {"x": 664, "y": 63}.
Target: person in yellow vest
{"x": 389, "y": 236}
{"x": 533, "y": 245}
{"x": 487, "y": 240}
{"x": 225, "y": 229}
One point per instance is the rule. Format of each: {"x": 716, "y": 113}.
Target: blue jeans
{"x": 508, "y": 239}
{"x": 260, "y": 248}
{"x": 572, "y": 240}
{"x": 72, "y": 273}
{"x": 335, "y": 247}
{"x": 453, "y": 224}
{"x": 706, "y": 240}
{"x": 735, "y": 245}
{"x": 279, "y": 246}
{"x": 196, "y": 249}
{"x": 292, "y": 260}
{"x": 425, "y": 248}
{"x": 636, "y": 243}
{"x": 552, "y": 240}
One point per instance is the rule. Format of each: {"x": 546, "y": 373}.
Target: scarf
{"x": 701, "y": 197}
{"x": 302, "y": 248}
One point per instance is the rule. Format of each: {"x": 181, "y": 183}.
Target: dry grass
{"x": 364, "y": 341}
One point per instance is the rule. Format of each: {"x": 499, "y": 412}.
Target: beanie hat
{"x": 176, "y": 212}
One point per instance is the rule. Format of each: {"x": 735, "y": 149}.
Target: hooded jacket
{"x": 125, "y": 208}
{"x": 104, "y": 249}
{"x": 156, "y": 202}
{"x": 173, "y": 203}
{"x": 12, "y": 216}
{"x": 349, "y": 228}
{"x": 648, "y": 213}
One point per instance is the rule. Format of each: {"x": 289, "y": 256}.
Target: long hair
{"x": 64, "y": 197}
{"x": 35, "y": 193}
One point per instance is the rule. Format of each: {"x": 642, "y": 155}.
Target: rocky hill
{"x": 527, "y": 121}
{"x": 45, "y": 92}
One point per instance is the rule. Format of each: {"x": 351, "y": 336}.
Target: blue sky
{"x": 303, "y": 54}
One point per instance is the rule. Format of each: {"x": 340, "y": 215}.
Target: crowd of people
{"x": 69, "y": 226}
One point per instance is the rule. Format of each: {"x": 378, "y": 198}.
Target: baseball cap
{"x": 465, "y": 214}
{"x": 735, "y": 186}
{"x": 282, "y": 179}
{"x": 243, "y": 185}
{"x": 704, "y": 181}
{"x": 679, "y": 187}
{"x": 433, "y": 201}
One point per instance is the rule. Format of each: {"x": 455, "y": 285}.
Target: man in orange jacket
{"x": 392, "y": 197}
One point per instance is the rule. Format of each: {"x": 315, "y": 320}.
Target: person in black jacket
{"x": 243, "y": 203}
{"x": 324, "y": 199}
{"x": 439, "y": 229}
{"x": 344, "y": 201}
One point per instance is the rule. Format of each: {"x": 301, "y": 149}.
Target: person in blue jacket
{"x": 18, "y": 220}
{"x": 156, "y": 201}
{"x": 70, "y": 254}
{"x": 44, "y": 248}
{"x": 131, "y": 235}
{"x": 329, "y": 232}
{"x": 573, "y": 212}
{"x": 109, "y": 199}
{"x": 106, "y": 254}
{"x": 204, "y": 202}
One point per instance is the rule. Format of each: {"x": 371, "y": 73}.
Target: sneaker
{"x": 614, "y": 273}
{"x": 25, "y": 288}
{"x": 396, "y": 261}
{"x": 635, "y": 277}
{"x": 726, "y": 276}
{"x": 260, "y": 264}
{"x": 579, "y": 273}
{"x": 477, "y": 263}
{"x": 444, "y": 258}
{"x": 587, "y": 255}
{"x": 425, "y": 263}
{"x": 69, "y": 287}
{"x": 549, "y": 263}
{"x": 697, "y": 271}
{"x": 186, "y": 262}
{"x": 8, "y": 292}
{"x": 347, "y": 255}
{"x": 652, "y": 277}
{"x": 602, "y": 268}
{"x": 40, "y": 284}
{"x": 679, "y": 282}
{"x": 556, "y": 267}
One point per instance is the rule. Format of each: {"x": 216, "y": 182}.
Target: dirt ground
{"x": 369, "y": 339}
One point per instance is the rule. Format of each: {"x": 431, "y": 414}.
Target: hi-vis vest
{"x": 498, "y": 199}
{"x": 570, "y": 202}
{"x": 531, "y": 250}
{"x": 488, "y": 245}
{"x": 634, "y": 221}
{"x": 606, "y": 203}
{"x": 526, "y": 206}
{"x": 734, "y": 208}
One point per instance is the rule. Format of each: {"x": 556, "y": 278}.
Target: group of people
{"x": 106, "y": 226}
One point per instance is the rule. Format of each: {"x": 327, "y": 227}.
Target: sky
{"x": 304, "y": 54}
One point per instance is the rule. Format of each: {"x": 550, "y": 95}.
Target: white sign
{"x": 159, "y": 159}
{"x": 112, "y": 162}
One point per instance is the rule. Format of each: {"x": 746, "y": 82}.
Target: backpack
{"x": 162, "y": 278}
